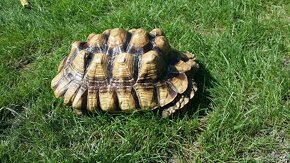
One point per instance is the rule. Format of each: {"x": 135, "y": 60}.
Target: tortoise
{"x": 121, "y": 70}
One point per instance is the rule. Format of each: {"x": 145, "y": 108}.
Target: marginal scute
{"x": 123, "y": 66}
{"x": 56, "y": 79}
{"x": 189, "y": 55}
{"x": 181, "y": 66}
{"x": 80, "y": 101}
{"x": 126, "y": 99}
{"x": 179, "y": 82}
{"x": 194, "y": 86}
{"x": 146, "y": 96}
{"x": 139, "y": 38}
{"x": 165, "y": 94}
{"x": 62, "y": 87}
{"x": 61, "y": 81}
{"x": 108, "y": 98}
{"x": 182, "y": 102}
{"x": 185, "y": 100}
{"x": 189, "y": 59}
{"x": 193, "y": 90}
{"x": 192, "y": 94}
{"x": 92, "y": 97}
{"x": 71, "y": 92}
{"x": 178, "y": 104}
{"x": 156, "y": 32}
{"x": 192, "y": 63}
{"x": 61, "y": 65}
{"x": 152, "y": 66}
{"x": 117, "y": 37}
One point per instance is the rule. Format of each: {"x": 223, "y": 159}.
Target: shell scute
{"x": 71, "y": 92}
{"x": 146, "y": 95}
{"x": 179, "y": 82}
{"x": 92, "y": 97}
{"x": 96, "y": 41}
{"x": 156, "y": 32}
{"x": 165, "y": 94}
{"x": 139, "y": 38}
{"x": 123, "y": 67}
{"x": 125, "y": 99}
{"x": 117, "y": 37}
{"x": 108, "y": 99}
{"x": 80, "y": 101}
{"x": 98, "y": 68}
{"x": 152, "y": 66}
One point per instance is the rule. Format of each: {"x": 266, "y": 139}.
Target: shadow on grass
{"x": 8, "y": 116}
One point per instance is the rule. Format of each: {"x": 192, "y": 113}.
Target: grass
{"x": 241, "y": 112}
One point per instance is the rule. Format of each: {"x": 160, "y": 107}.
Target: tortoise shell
{"x": 120, "y": 70}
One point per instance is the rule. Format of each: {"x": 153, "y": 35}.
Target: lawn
{"x": 241, "y": 112}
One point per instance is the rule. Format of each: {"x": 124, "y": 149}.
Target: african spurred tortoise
{"x": 121, "y": 70}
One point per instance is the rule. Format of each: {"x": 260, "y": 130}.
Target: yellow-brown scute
{"x": 97, "y": 70}
{"x": 120, "y": 70}
{"x": 123, "y": 66}
{"x": 117, "y": 38}
{"x": 96, "y": 40}
{"x": 139, "y": 38}
{"x": 145, "y": 95}
{"x": 108, "y": 99}
{"x": 152, "y": 66}
{"x": 126, "y": 99}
